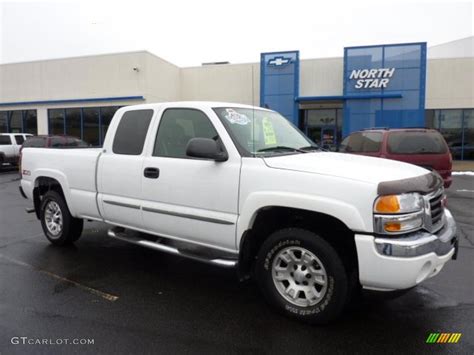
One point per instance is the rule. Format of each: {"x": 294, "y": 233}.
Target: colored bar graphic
{"x": 442, "y": 338}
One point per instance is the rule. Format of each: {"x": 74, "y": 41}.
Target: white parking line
{"x": 464, "y": 190}
{"x": 106, "y": 296}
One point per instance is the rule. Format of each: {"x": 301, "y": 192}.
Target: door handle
{"x": 151, "y": 173}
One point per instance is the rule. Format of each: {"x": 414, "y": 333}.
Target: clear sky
{"x": 188, "y": 33}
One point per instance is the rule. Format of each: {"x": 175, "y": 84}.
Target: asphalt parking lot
{"x": 129, "y": 299}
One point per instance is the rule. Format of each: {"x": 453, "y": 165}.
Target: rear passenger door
{"x": 120, "y": 170}
{"x": 191, "y": 199}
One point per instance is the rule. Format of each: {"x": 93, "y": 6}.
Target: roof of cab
{"x": 191, "y": 104}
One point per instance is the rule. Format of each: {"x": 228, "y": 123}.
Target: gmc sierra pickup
{"x": 240, "y": 186}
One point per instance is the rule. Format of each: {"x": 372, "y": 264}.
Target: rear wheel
{"x": 302, "y": 276}
{"x": 58, "y": 225}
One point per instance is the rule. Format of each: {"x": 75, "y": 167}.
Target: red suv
{"x": 424, "y": 147}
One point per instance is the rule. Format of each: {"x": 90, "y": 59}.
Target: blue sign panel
{"x": 384, "y": 86}
{"x": 279, "y": 83}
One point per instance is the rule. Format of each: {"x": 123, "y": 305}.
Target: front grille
{"x": 436, "y": 208}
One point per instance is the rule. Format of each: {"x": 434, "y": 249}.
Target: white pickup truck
{"x": 10, "y": 145}
{"x": 239, "y": 186}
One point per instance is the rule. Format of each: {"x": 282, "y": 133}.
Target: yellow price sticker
{"x": 269, "y": 135}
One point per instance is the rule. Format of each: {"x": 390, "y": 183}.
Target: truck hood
{"x": 356, "y": 167}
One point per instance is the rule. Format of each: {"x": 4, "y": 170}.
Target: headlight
{"x": 397, "y": 214}
{"x": 405, "y": 203}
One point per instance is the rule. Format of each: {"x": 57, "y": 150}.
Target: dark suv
{"x": 424, "y": 147}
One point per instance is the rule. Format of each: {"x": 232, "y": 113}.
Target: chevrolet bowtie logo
{"x": 279, "y": 61}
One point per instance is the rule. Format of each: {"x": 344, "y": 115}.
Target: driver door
{"x": 187, "y": 198}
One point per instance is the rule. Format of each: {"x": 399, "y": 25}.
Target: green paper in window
{"x": 268, "y": 132}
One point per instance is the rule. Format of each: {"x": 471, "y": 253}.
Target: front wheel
{"x": 302, "y": 276}
{"x": 58, "y": 225}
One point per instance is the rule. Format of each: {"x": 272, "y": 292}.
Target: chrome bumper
{"x": 421, "y": 242}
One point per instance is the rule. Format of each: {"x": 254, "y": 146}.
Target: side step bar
{"x": 135, "y": 238}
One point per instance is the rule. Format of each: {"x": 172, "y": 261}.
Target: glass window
{"x": 430, "y": 119}
{"x": 3, "y": 122}
{"x": 34, "y": 142}
{"x": 468, "y": 153}
{"x": 261, "y": 131}
{"x": 362, "y": 142}
{"x": 177, "y": 127}
{"x": 72, "y": 142}
{"x": 16, "y": 122}
{"x": 131, "y": 132}
{"x": 56, "y": 121}
{"x": 106, "y": 114}
{"x": 5, "y": 140}
{"x": 421, "y": 142}
{"x": 73, "y": 122}
{"x": 30, "y": 120}
{"x": 324, "y": 126}
{"x": 19, "y": 139}
{"x": 57, "y": 142}
{"x": 450, "y": 126}
{"x": 91, "y": 126}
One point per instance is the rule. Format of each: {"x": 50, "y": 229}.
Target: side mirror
{"x": 205, "y": 148}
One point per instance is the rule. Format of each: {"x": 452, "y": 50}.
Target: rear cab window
{"x": 362, "y": 142}
{"x": 131, "y": 132}
{"x": 5, "y": 140}
{"x": 416, "y": 142}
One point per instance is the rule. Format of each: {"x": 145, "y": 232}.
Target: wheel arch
{"x": 269, "y": 219}
{"x": 45, "y": 183}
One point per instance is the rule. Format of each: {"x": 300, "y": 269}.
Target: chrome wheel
{"x": 299, "y": 276}
{"x": 53, "y": 217}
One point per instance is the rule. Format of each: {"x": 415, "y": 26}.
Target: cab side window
{"x": 5, "y": 140}
{"x": 131, "y": 132}
{"x": 177, "y": 127}
{"x": 19, "y": 139}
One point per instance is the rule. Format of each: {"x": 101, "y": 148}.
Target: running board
{"x": 159, "y": 244}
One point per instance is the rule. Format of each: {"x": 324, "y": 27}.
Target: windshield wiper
{"x": 310, "y": 147}
{"x": 281, "y": 147}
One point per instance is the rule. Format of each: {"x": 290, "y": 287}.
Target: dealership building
{"x": 390, "y": 85}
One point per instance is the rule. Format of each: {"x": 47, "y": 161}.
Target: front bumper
{"x": 399, "y": 263}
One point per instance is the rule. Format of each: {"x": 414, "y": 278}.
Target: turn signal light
{"x": 387, "y": 204}
{"x": 393, "y": 227}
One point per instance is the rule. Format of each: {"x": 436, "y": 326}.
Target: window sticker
{"x": 236, "y": 118}
{"x": 269, "y": 135}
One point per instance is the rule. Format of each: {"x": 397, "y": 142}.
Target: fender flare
{"x": 61, "y": 179}
{"x": 344, "y": 212}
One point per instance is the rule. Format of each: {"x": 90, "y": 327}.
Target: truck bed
{"x": 75, "y": 169}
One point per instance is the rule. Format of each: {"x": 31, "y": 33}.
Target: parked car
{"x": 238, "y": 186}
{"x": 423, "y": 147}
{"x": 10, "y": 144}
{"x": 51, "y": 141}
{"x": 54, "y": 141}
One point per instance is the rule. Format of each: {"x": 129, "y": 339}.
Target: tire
{"x": 58, "y": 225}
{"x": 318, "y": 298}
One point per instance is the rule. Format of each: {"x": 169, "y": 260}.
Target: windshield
{"x": 263, "y": 132}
